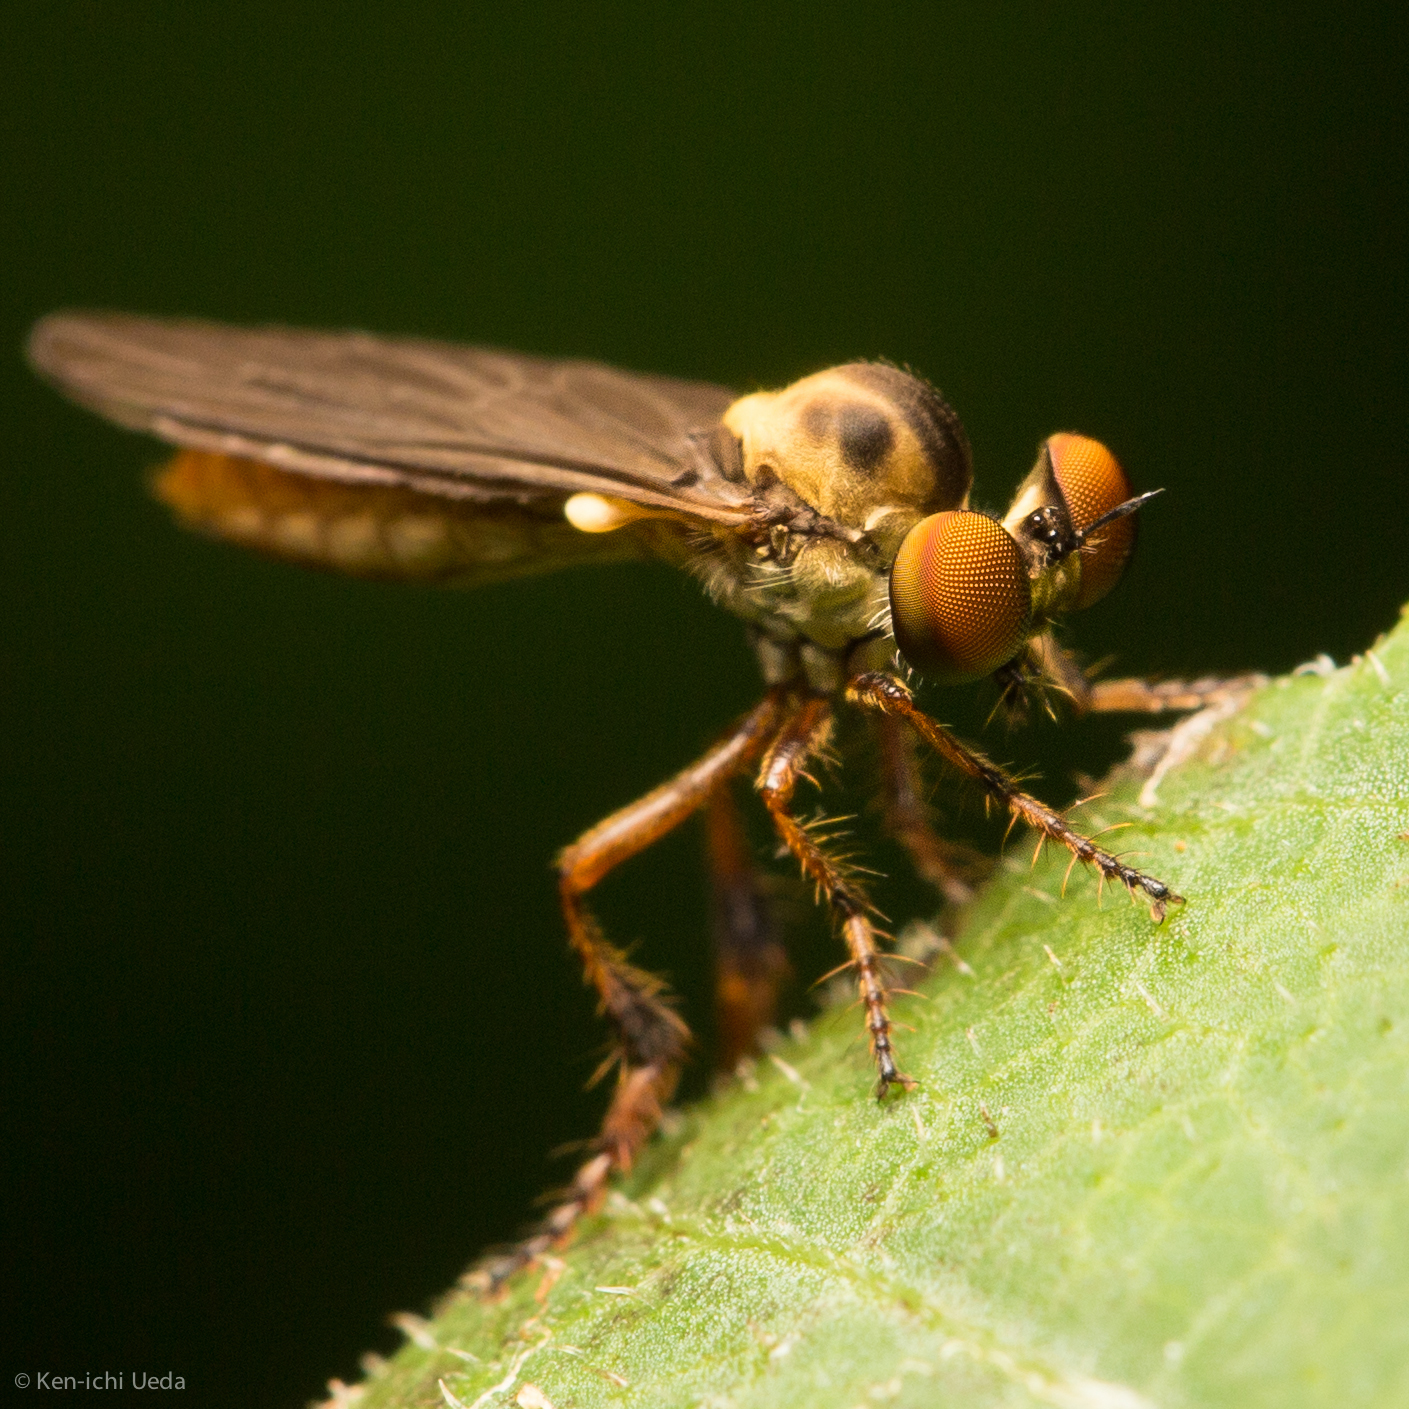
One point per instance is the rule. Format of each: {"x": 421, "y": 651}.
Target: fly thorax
{"x": 858, "y": 443}
{"x": 871, "y": 449}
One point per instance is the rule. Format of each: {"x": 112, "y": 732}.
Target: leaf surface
{"x": 1144, "y": 1166}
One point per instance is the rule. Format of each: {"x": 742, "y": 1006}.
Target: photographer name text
{"x": 102, "y": 1379}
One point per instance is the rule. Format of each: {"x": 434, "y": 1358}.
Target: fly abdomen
{"x": 377, "y": 531}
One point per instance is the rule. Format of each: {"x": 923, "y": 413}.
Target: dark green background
{"x": 289, "y": 1024}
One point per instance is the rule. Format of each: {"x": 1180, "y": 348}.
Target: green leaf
{"x": 1145, "y": 1166}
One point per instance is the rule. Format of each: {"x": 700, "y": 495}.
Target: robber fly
{"x": 831, "y": 517}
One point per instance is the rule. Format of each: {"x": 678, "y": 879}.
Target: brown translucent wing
{"x": 462, "y": 422}
{"x": 500, "y": 436}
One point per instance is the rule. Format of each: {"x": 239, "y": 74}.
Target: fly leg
{"x": 1155, "y": 751}
{"x": 750, "y": 962}
{"x": 1133, "y": 695}
{"x": 888, "y": 695}
{"x": 651, "y": 1037}
{"x": 800, "y": 739}
{"x": 948, "y": 866}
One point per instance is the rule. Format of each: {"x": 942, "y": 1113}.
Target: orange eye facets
{"x": 1092, "y": 483}
{"x": 959, "y": 596}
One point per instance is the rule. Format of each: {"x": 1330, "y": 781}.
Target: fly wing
{"x": 466, "y": 423}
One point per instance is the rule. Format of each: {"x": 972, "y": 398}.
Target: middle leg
{"x": 948, "y": 866}
{"x": 750, "y": 961}
{"x": 803, "y": 737}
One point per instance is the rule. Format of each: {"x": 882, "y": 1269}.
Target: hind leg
{"x": 651, "y": 1038}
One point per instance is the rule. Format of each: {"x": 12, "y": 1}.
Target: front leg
{"x": 888, "y": 695}
{"x": 1131, "y": 695}
{"x": 1135, "y": 696}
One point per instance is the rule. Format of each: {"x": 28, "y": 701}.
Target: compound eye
{"x": 1092, "y": 483}
{"x": 959, "y": 596}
